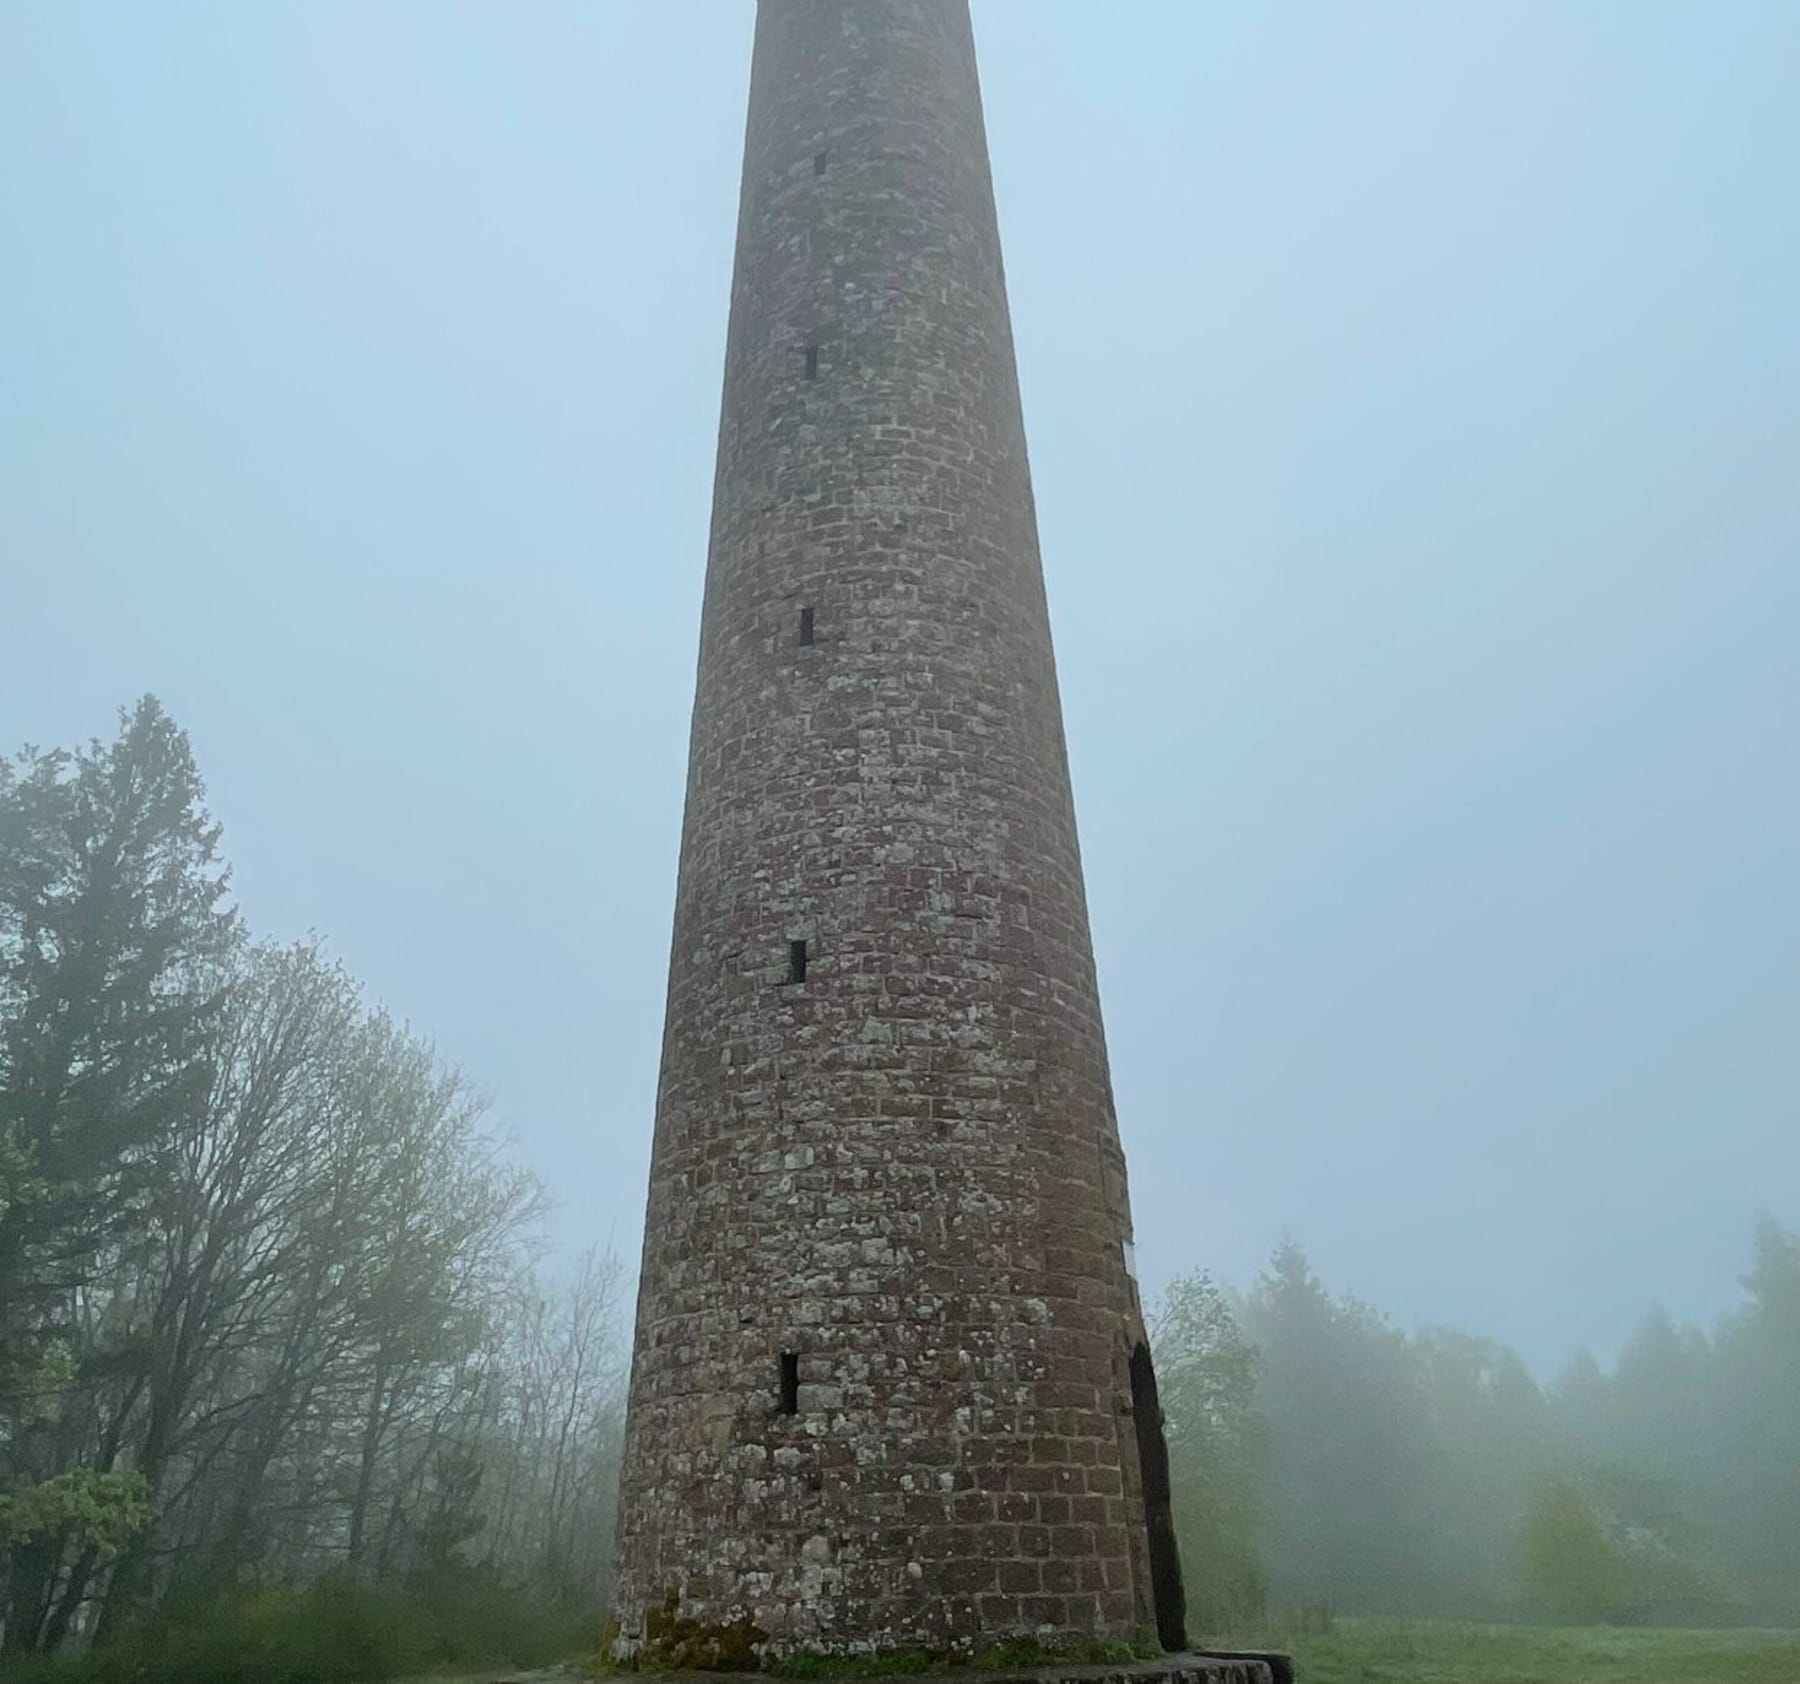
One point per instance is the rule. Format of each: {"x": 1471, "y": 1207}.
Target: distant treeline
{"x": 275, "y": 1365}
{"x": 1326, "y": 1461}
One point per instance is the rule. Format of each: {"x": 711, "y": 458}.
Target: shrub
{"x": 332, "y": 1632}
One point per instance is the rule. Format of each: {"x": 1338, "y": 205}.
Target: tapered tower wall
{"x": 881, "y": 1388}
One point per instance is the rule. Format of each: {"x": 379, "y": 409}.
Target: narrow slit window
{"x": 806, "y": 627}
{"x": 796, "y": 961}
{"x": 819, "y": 161}
{"x": 790, "y": 1383}
{"x": 812, "y": 362}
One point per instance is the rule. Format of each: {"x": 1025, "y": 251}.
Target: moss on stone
{"x": 676, "y": 1643}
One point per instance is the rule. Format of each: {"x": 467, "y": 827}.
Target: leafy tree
{"x": 1217, "y": 1452}
{"x": 1575, "y": 1571}
{"x": 108, "y": 1508}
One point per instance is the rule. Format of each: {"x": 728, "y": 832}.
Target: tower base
{"x": 1230, "y": 1667}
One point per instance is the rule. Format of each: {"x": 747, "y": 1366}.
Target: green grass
{"x": 1421, "y": 1652}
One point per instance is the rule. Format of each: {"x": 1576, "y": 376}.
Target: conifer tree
{"x": 115, "y": 936}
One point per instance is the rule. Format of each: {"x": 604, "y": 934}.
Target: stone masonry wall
{"x": 903, "y": 1171}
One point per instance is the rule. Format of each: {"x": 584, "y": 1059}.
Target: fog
{"x": 1413, "y": 398}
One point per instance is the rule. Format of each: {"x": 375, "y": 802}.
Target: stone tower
{"x": 890, "y": 1384}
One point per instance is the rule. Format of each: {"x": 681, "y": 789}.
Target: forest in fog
{"x": 1327, "y": 1463}
{"x": 271, "y": 1310}
{"x": 279, "y": 1341}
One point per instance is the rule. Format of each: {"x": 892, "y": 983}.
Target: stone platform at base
{"x": 1226, "y": 1667}
{"x": 1231, "y": 1666}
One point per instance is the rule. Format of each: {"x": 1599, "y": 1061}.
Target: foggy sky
{"x": 1413, "y": 398}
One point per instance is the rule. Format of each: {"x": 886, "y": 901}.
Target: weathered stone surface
{"x": 1235, "y": 1668}
{"x": 903, "y": 1170}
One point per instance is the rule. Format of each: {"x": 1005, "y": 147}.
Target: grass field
{"x": 1380, "y": 1652}
{"x": 1394, "y": 1652}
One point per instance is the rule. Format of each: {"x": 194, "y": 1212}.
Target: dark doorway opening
{"x": 1159, "y": 1516}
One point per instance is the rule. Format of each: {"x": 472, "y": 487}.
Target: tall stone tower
{"x": 890, "y": 1383}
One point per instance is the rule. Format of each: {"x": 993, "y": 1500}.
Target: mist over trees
{"x": 1324, "y": 1460}
{"x": 269, "y": 1311}
{"x": 274, "y": 1327}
